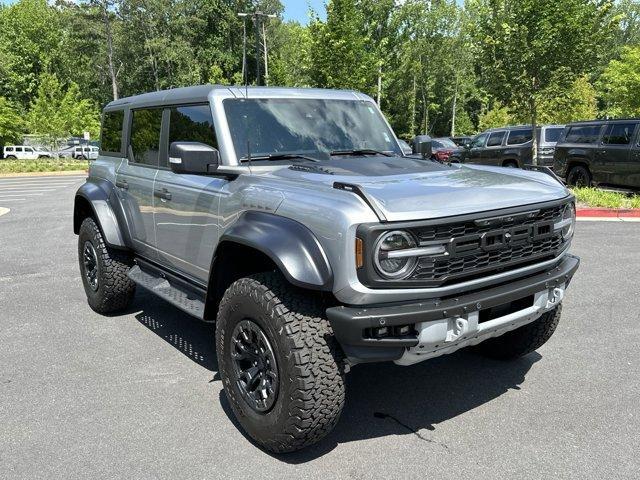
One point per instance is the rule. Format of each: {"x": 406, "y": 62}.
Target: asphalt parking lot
{"x": 137, "y": 395}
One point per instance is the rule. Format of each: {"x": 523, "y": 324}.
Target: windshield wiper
{"x": 361, "y": 151}
{"x": 281, "y": 156}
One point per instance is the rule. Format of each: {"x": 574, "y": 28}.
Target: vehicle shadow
{"x": 383, "y": 399}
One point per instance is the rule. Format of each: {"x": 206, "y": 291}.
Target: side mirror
{"x": 193, "y": 157}
{"x": 422, "y": 145}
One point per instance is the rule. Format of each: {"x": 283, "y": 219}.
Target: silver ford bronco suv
{"x": 292, "y": 219}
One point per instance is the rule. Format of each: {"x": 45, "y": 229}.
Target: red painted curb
{"x": 608, "y": 212}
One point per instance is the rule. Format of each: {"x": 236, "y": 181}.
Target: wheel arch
{"x": 261, "y": 241}
{"x": 95, "y": 199}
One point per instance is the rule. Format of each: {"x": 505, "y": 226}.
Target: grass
{"x": 42, "y": 165}
{"x": 593, "y": 197}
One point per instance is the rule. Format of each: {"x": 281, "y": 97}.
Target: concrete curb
{"x": 44, "y": 174}
{"x": 621, "y": 213}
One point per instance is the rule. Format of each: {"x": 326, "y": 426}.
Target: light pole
{"x": 257, "y": 17}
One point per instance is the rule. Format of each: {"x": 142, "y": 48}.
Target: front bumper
{"x": 355, "y": 327}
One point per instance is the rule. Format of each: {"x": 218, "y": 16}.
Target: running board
{"x": 170, "y": 289}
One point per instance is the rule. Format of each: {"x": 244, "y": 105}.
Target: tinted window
{"x": 311, "y": 127}
{"x": 583, "y": 134}
{"x": 552, "y": 134}
{"x": 517, "y": 137}
{"x": 495, "y": 139}
{"x": 619, "y": 134}
{"x": 192, "y": 124}
{"x": 444, "y": 143}
{"x": 145, "y": 135}
{"x": 18, "y": 149}
{"x": 479, "y": 140}
{"x": 111, "y": 138}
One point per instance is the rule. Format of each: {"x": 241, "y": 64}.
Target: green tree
{"x": 521, "y": 43}
{"x": 56, "y": 113}
{"x": 619, "y": 85}
{"x": 561, "y": 104}
{"x": 11, "y": 125}
{"x": 497, "y": 116}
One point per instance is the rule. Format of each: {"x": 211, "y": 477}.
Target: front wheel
{"x": 280, "y": 365}
{"x": 579, "y": 176}
{"x": 523, "y": 340}
{"x": 103, "y": 270}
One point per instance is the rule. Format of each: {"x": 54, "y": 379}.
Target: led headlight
{"x": 568, "y": 221}
{"x": 388, "y": 254}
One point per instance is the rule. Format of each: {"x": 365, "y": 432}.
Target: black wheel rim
{"x": 254, "y": 366}
{"x": 90, "y": 262}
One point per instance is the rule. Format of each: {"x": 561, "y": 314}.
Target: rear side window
{"x": 552, "y": 135}
{"x": 192, "y": 123}
{"x": 516, "y": 137}
{"x": 495, "y": 139}
{"x": 619, "y": 134}
{"x": 583, "y": 134}
{"x": 18, "y": 149}
{"x": 145, "y": 135}
{"x": 111, "y": 137}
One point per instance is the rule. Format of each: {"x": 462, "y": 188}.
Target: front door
{"x": 186, "y": 206}
{"x": 492, "y": 155}
{"x": 474, "y": 154}
{"x": 136, "y": 175}
{"x": 615, "y": 149}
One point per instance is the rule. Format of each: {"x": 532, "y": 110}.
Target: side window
{"x": 583, "y": 134}
{"x": 18, "y": 149}
{"x": 28, "y": 149}
{"x": 478, "y": 141}
{"x": 145, "y": 135}
{"x": 495, "y": 139}
{"x": 619, "y": 134}
{"x": 516, "y": 137}
{"x": 192, "y": 123}
{"x": 552, "y": 135}
{"x": 111, "y": 135}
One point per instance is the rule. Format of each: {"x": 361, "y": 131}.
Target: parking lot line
{"x": 3, "y": 211}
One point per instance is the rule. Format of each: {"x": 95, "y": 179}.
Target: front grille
{"x": 473, "y": 259}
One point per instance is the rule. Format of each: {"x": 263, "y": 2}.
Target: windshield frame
{"x": 314, "y": 95}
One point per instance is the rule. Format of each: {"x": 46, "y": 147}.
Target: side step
{"x": 173, "y": 290}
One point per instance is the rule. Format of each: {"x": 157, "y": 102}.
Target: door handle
{"x": 122, "y": 184}
{"x": 162, "y": 194}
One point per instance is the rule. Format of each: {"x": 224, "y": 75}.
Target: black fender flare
{"x": 101, "y": 196}
{"x": 289, "y": 244}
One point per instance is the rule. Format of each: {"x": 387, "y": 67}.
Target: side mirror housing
{"x": 193, "y": 157}
{"x": 422, "y": 145}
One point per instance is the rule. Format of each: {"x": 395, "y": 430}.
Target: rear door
{"x": 634, "y": 177}
{"x": 186, "y": 206}
{"x": 136, "y": 175}
{"x": 615, "y": 150}
{"x": 492, "y": 154}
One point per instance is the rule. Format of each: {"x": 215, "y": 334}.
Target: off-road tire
{"x": 579, "y": 176}
{"x": 115, "y": 290}
{"x": 11, "y": 157}
{"x": 523, "y": 340}
{"x": 311, "y": 389}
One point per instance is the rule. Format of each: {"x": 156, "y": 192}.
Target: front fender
{"x": 291, "y": 246}
{"x": 101, "y": 197}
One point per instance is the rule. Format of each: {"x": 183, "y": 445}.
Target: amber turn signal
{"x": 359, "y": 257}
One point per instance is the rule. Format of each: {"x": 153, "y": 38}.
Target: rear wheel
{"x": 579, "y": 176}
{"x": 281, "y": 367}
{"x": 523, "y": 340}
{"x": 104, "y": 271}
{"x": 10, "y": 157}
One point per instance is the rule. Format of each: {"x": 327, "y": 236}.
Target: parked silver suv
{"x": 293, "y": 220}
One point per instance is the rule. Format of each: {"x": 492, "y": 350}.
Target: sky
{"x": 299, "y": 9}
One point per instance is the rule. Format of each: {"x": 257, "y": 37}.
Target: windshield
{"x": 306, "y": 126}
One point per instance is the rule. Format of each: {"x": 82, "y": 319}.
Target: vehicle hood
{"x": 402, "y": 189}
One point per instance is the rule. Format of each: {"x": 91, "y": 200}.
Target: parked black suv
{"x": 600, "y": 152}
{"x": 509, "y": 146}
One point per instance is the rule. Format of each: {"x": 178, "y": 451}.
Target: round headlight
{"x": 389, "y": 244}
{"x": 569, "y": 214}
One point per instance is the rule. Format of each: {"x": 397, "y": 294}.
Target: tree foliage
{"x": 620, "y": 84}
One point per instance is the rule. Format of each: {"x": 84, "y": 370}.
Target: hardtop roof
{"x": 201, "y": 94}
